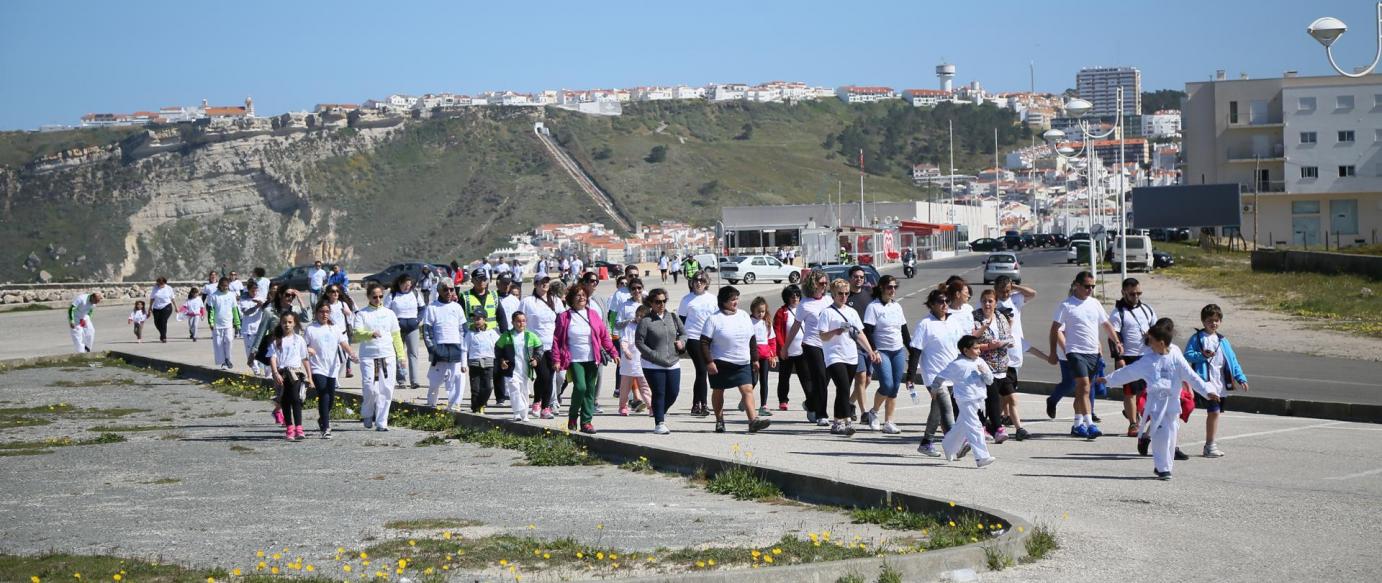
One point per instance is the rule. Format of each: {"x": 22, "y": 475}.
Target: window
{"x": 1377, "y": 135}
{"x": 1343, "y": 102}
{"x": 1346, "y": 136}
{"x": 1307, "y": 137}
{"x": 1233, "y": 112}
{"x": 1305, "y": 104}
{"x": 1377, "y": 100}
{"x": 1348, "y": 171}
{"x": 1309, "y": 171}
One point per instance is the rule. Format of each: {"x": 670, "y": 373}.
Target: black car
{"x": 842, "y": 272}
{"x": 1013, "y": 242}
{"x": 1029, "y": 240}
{"x": 413, "y": 270}
{"x": 1162, "y": 259}
{"x": 296, "y": 277}
{"x": 1044, "y": 240}
{"x": 1060, "y": 240}
{"x": 988, "y": 244}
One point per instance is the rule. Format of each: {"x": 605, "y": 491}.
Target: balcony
{"x": 1272, "y": 153}
{"x": 1255, "y": 125}
{"x": 1265, "y": 187}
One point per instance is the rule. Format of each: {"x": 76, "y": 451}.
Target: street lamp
{"x": 1079, "y": 108}
{"x": 1327, "y": 30}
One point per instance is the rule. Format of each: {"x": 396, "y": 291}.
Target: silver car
{"x": 1002, "y": 264}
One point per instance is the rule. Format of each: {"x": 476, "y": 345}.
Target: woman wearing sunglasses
{"x": 728, "y": 345}
{"x": 937, "y": 339}
{"x": 658, "y": 337}
{"x": 886, "y": 327}
{"x": 842, "y": 335}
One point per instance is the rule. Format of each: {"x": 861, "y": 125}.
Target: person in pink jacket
{"x": 581, "y": 342}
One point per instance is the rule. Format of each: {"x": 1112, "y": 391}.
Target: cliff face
{"x": 179, "y": 201}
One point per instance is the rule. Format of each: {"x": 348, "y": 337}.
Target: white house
{"x": 684, "y": 92}
{"x": 1162, "y": 124}
{"x": 726, "y": 92}
{"x": 861, "y": 94}
{"x": 924, "y": 97}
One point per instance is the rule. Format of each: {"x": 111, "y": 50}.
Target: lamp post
{"x": 1079, "y": 108}
{"x": 1327, "y": 30}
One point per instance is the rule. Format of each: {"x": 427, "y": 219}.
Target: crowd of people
{"x": 526, "y": 350}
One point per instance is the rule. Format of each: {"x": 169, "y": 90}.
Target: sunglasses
{"x": 376, "y": 297}
{"x": 1087, "y": 285}
{"x": 659, "y": 301}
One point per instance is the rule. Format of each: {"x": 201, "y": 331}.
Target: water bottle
{"x": 912, "y": 390}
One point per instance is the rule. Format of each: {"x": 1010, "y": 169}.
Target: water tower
{"x": 946, "y": 73}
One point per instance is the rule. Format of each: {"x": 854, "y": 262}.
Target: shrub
{"x": 743, "y": 484}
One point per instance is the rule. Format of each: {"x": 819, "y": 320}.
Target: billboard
{"x": 1189, "y": 205}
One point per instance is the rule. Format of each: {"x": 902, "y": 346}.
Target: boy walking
{"x": 1213, "y": 358}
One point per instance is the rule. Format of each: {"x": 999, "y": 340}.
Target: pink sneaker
{"x": 291, "y": 433}
{"x": 547, "y": 414}
{"x": 278, "y": 416}
{"x": 301, "y": 434}
{"x": 623, "y": 411}
{"x": 536, "y": 409}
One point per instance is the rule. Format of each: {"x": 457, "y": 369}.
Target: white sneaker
{"x": 822, "y": 422}
{"x": 662, "y": 429}
{"x": 1211, "y": 449}
{"x": 891, "y": 429}
{"x": 986, "y": 461}
{"x": 873, "y": 421}
{"x": 928, "y": 449}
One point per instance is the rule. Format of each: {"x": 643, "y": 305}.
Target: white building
{"x": 863, "y": 94}
{"x": 1306, "y": 150}
{"x": 726, "y": 92}
{"x": 925, "y": 97}
{"x": 1162, "y": 124}
{"x": 653, "y": 93}
{"x": 684, "y": 92}
{"x": 1099, "y": 85}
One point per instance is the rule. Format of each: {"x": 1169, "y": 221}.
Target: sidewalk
{"x": 1295, "y": 498}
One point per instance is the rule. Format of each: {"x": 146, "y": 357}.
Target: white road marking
{"x": 1316, "y": 381}
{"x": 1357, "y": 475}
{"x": 1274, "y": 431}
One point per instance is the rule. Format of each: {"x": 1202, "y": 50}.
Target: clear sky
{"x": 60, "y": 59}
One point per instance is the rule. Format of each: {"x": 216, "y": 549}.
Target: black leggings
{"x": 292, "y": 396}
{"x": 326, "y": 399}
{"x": 843, "y": 375}
{"x": 543, "y": 389}
{"x": 161, "y": 321}
{"x": 762, "y": 380}
{"x": 816, "y": 375}
{"x": 481, "y": 384}
{"x": 702, "y": 384}
{"x": 785, "y": 366}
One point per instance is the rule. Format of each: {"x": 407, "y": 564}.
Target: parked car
{"x": 413, "y": 270}
{"x": 1044, "y": 240}
{"x": 1013, "y": 242}
{"x": 1002, "y": 264}
{"x": 987, "y": 244}
{"x": 1139, "y": 252}
{"x": 1060, "y": 240}
{"x": 708, "y": 261}
{"x": 1029, "y": 240}
{"x": 296, "y": 277}
{"x": 842, "y": 272}
{"x": 751, "y": 268}
{"x": 1078, "y": 252}
{"x": 1162, "y": 259}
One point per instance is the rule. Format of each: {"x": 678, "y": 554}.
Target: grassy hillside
{"x": 792, "y": 154}
{"x": 18, "y": 148}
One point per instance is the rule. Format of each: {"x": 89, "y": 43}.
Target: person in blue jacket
{"x": 1213, "y": 358}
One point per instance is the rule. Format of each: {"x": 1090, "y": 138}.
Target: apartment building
{"x": 1307, "y": 152}
{"x": 1099, "y": 85}
{"x": 857, "y": 94}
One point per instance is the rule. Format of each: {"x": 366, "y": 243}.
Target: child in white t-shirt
{"x": 137, "y": 318}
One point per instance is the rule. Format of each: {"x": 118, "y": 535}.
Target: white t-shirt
{"x": 316, "y": 279}
{"x": 887, "y": 321}
{"x": 480, "y": 343}
{"x": 762, "y": 331}
{"x": 1215, "y": 366}
{"x": 841, "y": 347}
{"x": 251, "y": 315}
{"x": 261, "y": 292}
{"x": 962, "y": 318}
{"x": 291, "y": 354}
{"x": 138, "y": 316}
{"x": 511, "y": 305}
{"x": 662, "y": 263}
{"x": 381, "y": 320}
{"x": 1131, "y": 324}
{"x": 192, "y": 308}
{"x": 578, "y": 339}
{"x": 625, "y": 318}
{"x": 1015, "y": 302}
{"x": 403, "y": 304}
{"x": 209, "y": 289}
{"x": 445, "y": 322}
{"x": 808, "y": 311}
{"x": 83, "y": 307}
{"x": 1082, "y": 319}
{"x": 221, "y": 306}
{"x": 325, "y": 344}
{"x": 542, "y": 320}
{"x": 696, "y": 308}
{"x": 236, "y": 286}
{"x": 160, "y": 297}
{"x": 730, "y": 336}
{"x": 338, "y": 319}
{"x": 794, "y": 349}
{"x": 938, "y": 342}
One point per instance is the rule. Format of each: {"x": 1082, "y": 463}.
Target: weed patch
{"x": 996, "y": 559}
{"x": 431, "y": 440}
{"x": 98, "y": 382}
{"x": 422, "y": 420}
{"x": 893, "y": 518}
{"x": 641, "y": 465}
{"x": 547, "y": 449}
{"x": 127, "y": 428}
{"x": 40, "y": 447}
{"x": 431, "y": 523}
{"x": 743, "y": 484}
{"x": 1041, "y": 543}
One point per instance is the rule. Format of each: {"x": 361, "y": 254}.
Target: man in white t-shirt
{"x": 1011, "y": 299}
{"x": 1131, "y": 318}
{"x": 1075, "y": 331}
{"x": 316, "y": 281}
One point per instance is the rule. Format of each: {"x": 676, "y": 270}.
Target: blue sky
{"x": 61, "y": 59}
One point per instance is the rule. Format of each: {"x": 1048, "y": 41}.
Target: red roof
{"x": 868, "y": 90}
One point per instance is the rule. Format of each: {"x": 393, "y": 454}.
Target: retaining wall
{"x": 1272, "y": 260}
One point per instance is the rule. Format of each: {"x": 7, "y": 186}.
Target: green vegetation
{"x": 1350, "y": 304}
{"x": 851, "y": 578}
{"x": 431, "y": 440}
{"x": 65, "y": 567}
{"x": 1361, "y": 250}
{"x": 640, "y": 465}
{"x": 20, "y": 148}
{"x": 547, "y": 449}
{"x": 657, "y": 154}
{"x": 743, "y": 484}
{"x": 1154, "y": 101}
{"x": 43, "y": 446}
{"x": 95, "y": 382}
{"x": 996, "y": 559}
{"x": 1040, "y": 544}
{"x": 431, "y": 523}
{"x": 887, "y": 574}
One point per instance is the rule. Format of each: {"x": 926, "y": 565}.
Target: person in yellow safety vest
{"x": 479, "y": 297}
{"x": 844, "y": 255}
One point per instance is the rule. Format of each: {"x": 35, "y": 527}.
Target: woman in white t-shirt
{"x": 789, "y": 355}
{"x": 886, "y": 327}
{"x": 814, "y": 358}
{"x": 541, "y": 309}
{"x": 842, "y": 336}
{"x": 160, "y": 307}
{"x": 404, "y": 300}
{"x": 937, "y": 338}
{"x": 324, "y": 350}
{"x": 631, "y": 379}
{"x": 730, "y": 351}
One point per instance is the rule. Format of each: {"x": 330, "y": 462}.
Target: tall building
{"x": 1099, "y": 85}
{"x": 1307, "y": 152}
{"x": 945, "y": 72}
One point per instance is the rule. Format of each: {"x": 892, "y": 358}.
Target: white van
{"x": 1139, "y": 252}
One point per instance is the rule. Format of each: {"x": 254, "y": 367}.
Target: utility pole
{"x": 952, "y": 171}
{"x": 862, "y": 221}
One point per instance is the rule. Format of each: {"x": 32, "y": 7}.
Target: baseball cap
{"x": 479, "y": 274}
{"x": 479, "y": 312}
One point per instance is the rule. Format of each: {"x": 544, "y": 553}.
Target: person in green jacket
{"x": 691, "y": 267}
{"x": 516, "y": 353}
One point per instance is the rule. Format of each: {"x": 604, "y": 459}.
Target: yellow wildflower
{"x": 277, "y": 556}
{"x": 446, "y": 535}
{"x": 117, "y": 577}
{"x": 503, "y": 562}
{"x": 346, "y": 568}
{"x": 208, "y": 580}
{"x": 700, "y": 564}
{"x": 259, "y": 554}
{"x": 600, "y": 556}
{"x": 412, "y": 543}
{"x": 777, "y": 550}
{"x": 274, "y": 570}
{"x": 767, "y": 559}
{"x": 710, "y": 562}
{"x": 235, "y": 572}
{"x": 546, "y": 555}
{"x": 311, "y": 568}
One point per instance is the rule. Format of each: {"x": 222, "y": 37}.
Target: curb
{"x": 1241, "y": 403}
{"x": 926, "y": 565}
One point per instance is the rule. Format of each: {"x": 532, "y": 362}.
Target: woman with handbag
{"x": 581, "y": 343}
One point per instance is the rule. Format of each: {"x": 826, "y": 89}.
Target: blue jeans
{"x": 1066, "y": 385}
{"x": 665, "y": 385}
{"x": 891, "y": 371}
